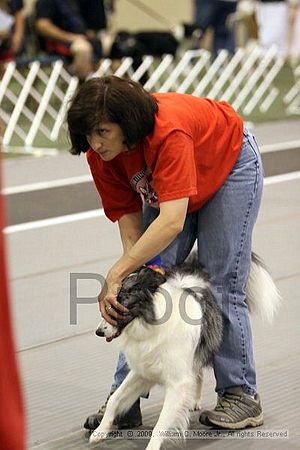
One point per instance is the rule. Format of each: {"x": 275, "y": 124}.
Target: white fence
{"x": 33, "y": 100}
{"x": 292, "y": 98}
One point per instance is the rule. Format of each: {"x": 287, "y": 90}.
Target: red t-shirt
{"x": 191, "y": 151}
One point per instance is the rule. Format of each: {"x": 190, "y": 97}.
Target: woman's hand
{"x": 110, "y": 309}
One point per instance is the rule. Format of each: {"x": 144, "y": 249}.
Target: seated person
{"x": 94, "y": 15}
{"x": 12, "y": 24}
{"x": 64, "y": 31}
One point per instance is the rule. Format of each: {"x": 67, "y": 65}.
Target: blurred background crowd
{"x": 85, "y": 31}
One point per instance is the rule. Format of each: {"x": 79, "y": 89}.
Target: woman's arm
{"x": 131, "y": 229}
{"x": 156, "y": 238}
{"x": 18, "y": 34}
{"x": 48, "y": 29}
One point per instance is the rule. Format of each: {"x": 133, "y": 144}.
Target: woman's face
{"x": 107, "y": 140}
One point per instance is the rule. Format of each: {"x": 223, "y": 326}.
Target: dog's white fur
{"x": 166, "y": 354}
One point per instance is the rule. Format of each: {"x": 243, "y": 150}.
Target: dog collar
{"x": 157, "y": 268}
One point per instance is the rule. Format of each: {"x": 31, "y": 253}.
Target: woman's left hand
{"x": 110, "y": 309}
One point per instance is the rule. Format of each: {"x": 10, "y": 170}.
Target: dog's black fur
{"x": 136, "y": 294}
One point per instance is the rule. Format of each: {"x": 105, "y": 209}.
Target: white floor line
{"x": 87, "y": 178}
{"x": 54, "y": 221}
{"x": 291, "y": 176}
{"x": 31, "y": 151}
{"x": 100, "y": 212}
{"x": 281, "y": 146}
{"x": 47, "y": 185}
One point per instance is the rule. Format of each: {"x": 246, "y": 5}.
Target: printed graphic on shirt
{"x": 142, "y": 183}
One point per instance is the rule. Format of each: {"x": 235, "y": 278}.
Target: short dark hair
{"x": 110, "y": 99}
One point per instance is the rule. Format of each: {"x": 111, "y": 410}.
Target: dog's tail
{"x": 263, "y": 297}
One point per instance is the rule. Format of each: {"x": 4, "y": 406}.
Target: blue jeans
{"x": 215, "y": 14}
{"x": 223, "y": 230}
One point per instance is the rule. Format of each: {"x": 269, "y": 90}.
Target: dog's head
{"x": 137, "y": 295}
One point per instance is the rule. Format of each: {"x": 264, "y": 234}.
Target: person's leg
{"x": 97, "y": 48}
{"x": 224, "y": 36}
{"x": 224, "y": 241}
{"x": 272, "y": 21}
{"x": 204, "y": 13}
{"x": 121, "y": 372}
{"x": 224, "y": 245}
{"x": 82, "y": 52}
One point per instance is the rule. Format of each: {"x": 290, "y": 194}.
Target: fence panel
{"x": 33, "y": 101}
{"x": 292, "y": 98}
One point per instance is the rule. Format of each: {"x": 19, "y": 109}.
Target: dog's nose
{"x": 99, "y": 332}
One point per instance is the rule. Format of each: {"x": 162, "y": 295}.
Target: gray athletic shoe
{"x": 131, "y": 419}
{"x": 234, "y": 412}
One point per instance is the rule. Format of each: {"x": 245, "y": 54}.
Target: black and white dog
{"x": 170, "y": 334}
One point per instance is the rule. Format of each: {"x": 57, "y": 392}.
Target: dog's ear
{"x": 142, "y": 306}
{"x": 141, "y": 279}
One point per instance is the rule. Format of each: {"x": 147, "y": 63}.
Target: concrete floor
{"x": 67, "y": 370}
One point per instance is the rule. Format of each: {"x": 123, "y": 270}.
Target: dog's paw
{"x": 97, "y": 436}
{"x": 197, "y": 406}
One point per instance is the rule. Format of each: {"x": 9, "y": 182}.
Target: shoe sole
{"x": 249, "y": 422}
